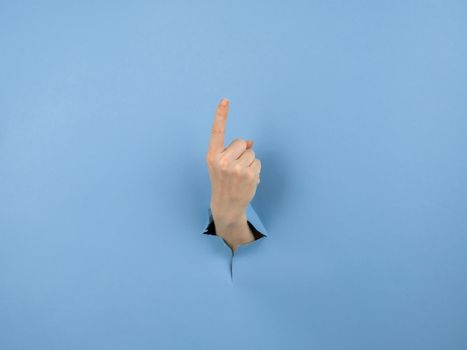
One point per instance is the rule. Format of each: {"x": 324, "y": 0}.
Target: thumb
{"x": 249, "y": 144}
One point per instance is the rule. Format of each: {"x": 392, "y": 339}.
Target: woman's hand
{"x": 234, "y": 173}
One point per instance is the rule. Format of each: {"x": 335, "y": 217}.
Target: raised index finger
{"x": 216, "y": 143}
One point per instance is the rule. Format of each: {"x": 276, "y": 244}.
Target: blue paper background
{"x": 358, "y": 113}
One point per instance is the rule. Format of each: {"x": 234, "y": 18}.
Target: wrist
{"x": 234, "y": 229}
{"x": 230, "y": 221}
{"x": 228, "y": 217}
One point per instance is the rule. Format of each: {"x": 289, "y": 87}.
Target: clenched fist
{"x": 234, "y": 173}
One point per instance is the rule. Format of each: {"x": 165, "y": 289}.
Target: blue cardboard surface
{"x": 358, "y": 113}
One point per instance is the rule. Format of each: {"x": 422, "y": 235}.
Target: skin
{"x": 234, "y": 173}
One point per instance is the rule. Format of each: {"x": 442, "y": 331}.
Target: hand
{"x": 234, "y": 173}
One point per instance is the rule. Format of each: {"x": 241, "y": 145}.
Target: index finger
{"x": 216, "y": 143}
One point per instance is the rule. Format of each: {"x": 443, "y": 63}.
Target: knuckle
{"x": 240, "y": 140}
{"x": 252, "y": 176}
{"x": 217, "y": 131}
{"x": 238, "y": 169}
{"x": 224, "y": 163}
